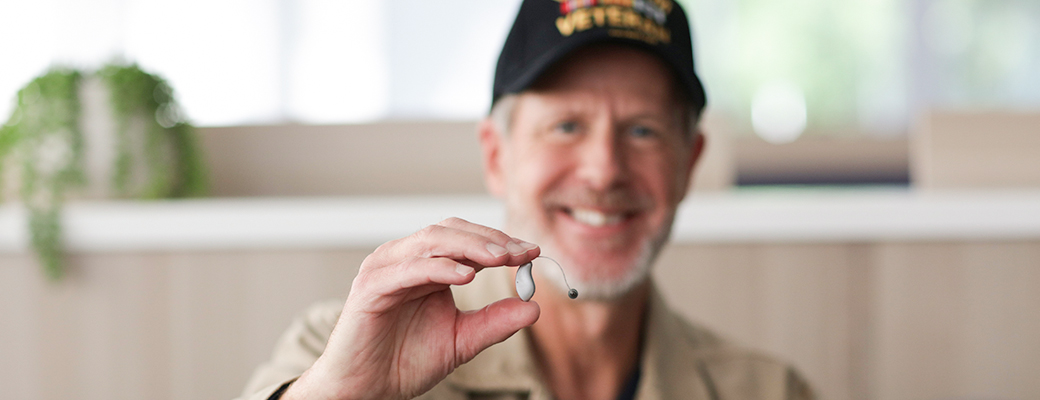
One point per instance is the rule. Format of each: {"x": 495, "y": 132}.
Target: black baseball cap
{"x": 545, "y": 31}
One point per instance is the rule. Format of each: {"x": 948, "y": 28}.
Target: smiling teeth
{"x": 595, "y": 218}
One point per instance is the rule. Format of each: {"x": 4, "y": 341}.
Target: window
{"x": 236, "y": 62}
{"x": 863, "y": 66}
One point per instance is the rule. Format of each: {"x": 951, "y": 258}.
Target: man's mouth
{"x": 596, "y": 218}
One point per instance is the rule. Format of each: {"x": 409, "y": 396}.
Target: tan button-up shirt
{"x": 679, "y": 360}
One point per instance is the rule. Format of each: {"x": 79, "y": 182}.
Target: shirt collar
{"x": 672, "y": 351}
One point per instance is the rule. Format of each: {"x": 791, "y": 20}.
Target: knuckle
{"x": 442, "y": 262}
{"x": 427, "y": 233}
{"x": 498, "y": 237}
{"x": 452, "y": 221}
{"x": 378, "y": 257}
{"x": 428, "y": 230}
{"x": 369, "y": 262}
{"x": 497, "y": 234}
{"x": 361, "y": 281}
{"x": 382, "y": 249}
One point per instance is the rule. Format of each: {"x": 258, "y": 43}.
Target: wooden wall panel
{"x": 385, "y": 158}
{"x": 959, "y": 150}
{"x": 958, "y": 321}
{"x": 800, "y": 302}
{"x": 155, "y": 326}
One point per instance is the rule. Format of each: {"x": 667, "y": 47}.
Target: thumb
{"x": 479, "y": 329}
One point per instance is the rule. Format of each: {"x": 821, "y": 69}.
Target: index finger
{"x": 512, "y": 244}
{"x": 463, "y": 246}
{"x": 464, "y": 242}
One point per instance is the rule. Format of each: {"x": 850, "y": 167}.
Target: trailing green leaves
{"x": 172, "y": 163}
{"x": 43, "y": 139}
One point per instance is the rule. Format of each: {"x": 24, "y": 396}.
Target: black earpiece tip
{"x": 572, "y": 294}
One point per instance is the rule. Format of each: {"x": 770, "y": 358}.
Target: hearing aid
{"x": 525, "y": 282}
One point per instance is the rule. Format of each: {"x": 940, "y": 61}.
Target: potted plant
{"x": 112, "y": 133}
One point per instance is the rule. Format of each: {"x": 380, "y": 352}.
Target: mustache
{"x": 614, "y": 199}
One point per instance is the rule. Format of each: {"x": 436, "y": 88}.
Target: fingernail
{"x": 463, "y": 269}
{"x": 515, "y": 249}
{"x": 496, "y": 250}
{"x": 526, "y": 245}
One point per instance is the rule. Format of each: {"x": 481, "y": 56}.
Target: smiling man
{"x": 590, "y": 143}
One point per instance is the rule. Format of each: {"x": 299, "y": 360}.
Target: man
{"x": 590, "y": 143}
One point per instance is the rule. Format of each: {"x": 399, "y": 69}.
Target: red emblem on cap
{"x": 566, "y": 6}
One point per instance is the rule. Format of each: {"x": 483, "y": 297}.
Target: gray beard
{"x": 591, "y": 288}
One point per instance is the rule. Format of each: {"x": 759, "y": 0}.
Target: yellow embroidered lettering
{"x": 565, "y": 25}
{"x": 663, "y": 35}
{"x": 631, "y": 18}
{"x": 597, "y": 15}
{"x": 581, "y": 19}
{"x": 614, "y": 16}
{"x": 648, "y": 27}
{"x": 664, "y": 5}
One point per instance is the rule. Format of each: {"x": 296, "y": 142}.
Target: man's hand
{"x": 400, "y": 332}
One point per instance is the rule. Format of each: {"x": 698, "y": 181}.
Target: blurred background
{"x": 869, "y": 206}
{"x": 861, "y": 68}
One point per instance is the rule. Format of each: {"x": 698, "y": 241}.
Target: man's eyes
{"x": 567, "y": 127}
{"x": 641, "y": 131}
{"x": 636, "y": 131}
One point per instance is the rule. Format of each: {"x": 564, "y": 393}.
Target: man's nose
{"x": 603, "y": 163}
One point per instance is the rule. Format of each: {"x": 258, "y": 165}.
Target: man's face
{"x": 595, "y": 165}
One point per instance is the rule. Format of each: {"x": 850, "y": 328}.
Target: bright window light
{"x": 337, "y": 64}
{"x": 778, "y": 112}
{"x": 221, "y": 57}
{"x": 863, "y": 65}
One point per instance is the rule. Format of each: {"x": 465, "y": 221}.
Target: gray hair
{"x": 502, "y": 113}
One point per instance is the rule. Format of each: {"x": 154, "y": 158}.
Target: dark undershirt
{"x": 629, "y": 392}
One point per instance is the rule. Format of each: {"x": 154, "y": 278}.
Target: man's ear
{"x": 491, "y": 142}
{"x": 696, "y": 150}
